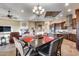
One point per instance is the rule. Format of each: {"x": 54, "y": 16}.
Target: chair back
{"x": 44, "y": 48}
{"x": 13, "y": 34}
{"x": 55, "y": 46}
{"x": 18, "y": 46}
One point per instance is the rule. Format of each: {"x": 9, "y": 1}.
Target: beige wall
{"x": 15, "y": 25}
{"x": 45, "y": 27}
{"x": 31, "y": 25}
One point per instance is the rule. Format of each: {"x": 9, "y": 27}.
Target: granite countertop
{"x": 66, "y": 31}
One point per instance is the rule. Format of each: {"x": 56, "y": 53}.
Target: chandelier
{"x": 38, "y": 10}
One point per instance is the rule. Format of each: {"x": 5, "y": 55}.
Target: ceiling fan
{"x": 10, "y": 16}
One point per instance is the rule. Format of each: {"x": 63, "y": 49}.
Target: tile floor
{"x": 68, "y": 49}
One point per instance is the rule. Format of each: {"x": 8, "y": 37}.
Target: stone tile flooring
{"x": 68, "y": 49}
{"x": 8, "y": 50}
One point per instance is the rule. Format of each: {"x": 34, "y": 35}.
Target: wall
{"x": 31, "y": 24}
{"x": 15, "y": 25}
{"x": 46, "y": 26}
{"x": 23, "y": 24}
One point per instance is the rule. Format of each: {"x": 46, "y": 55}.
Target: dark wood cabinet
{"x": 74, "y": 23}
{"x": 71, "y": 37}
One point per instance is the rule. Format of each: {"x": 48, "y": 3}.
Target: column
{"x": 77, "y": 27}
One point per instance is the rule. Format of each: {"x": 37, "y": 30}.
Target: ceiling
{"x": 16, "y": 8}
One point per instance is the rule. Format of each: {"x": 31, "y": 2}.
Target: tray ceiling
{"x": 16, "y": 8}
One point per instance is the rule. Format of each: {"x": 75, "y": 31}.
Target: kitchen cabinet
{"x": 69, "y": 35}
{"x": 72, "y": 37}
{"x": 74, "y": 23}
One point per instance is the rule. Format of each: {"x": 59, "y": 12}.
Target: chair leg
{"x": 17, "y": 53}
{"x": 59, "y": 52}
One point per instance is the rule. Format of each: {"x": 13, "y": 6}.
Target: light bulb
{"x": 40, "y": 7}
{"x": 33, "y": 10}
{"x": 35, "y": 7}
{"x": 43, "y": 10}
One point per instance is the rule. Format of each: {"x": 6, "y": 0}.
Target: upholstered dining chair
{"x": 20, "y": 49}
{"x": 59, "y": 45}
{"x": 13, "y": 34}
{"x": 52, "y": 48}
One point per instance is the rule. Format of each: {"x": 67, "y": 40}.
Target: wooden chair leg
{"x": 17, "y": 53}
{"x": 59, "y": 52}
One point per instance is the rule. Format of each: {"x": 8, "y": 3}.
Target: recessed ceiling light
{"x": 61, "y": 15}
{"x": 69, "y": 10}
{"x": 66, "y": 4}
{"x": 56, "y": 18}
{"x": 22, "y": 11}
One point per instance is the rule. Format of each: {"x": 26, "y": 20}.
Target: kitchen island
{"x": 68, "y": 34}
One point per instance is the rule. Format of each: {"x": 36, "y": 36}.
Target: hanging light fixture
{"x": 38, "y": 10}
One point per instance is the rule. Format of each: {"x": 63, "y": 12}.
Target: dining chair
{"x": 13, "y": 34}
{"x": 20, "y": 50}
{"x": 59, "y": 46}
{"x": 52, "y": 48}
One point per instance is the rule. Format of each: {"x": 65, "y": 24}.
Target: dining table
{"x": 37, "y": 40}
